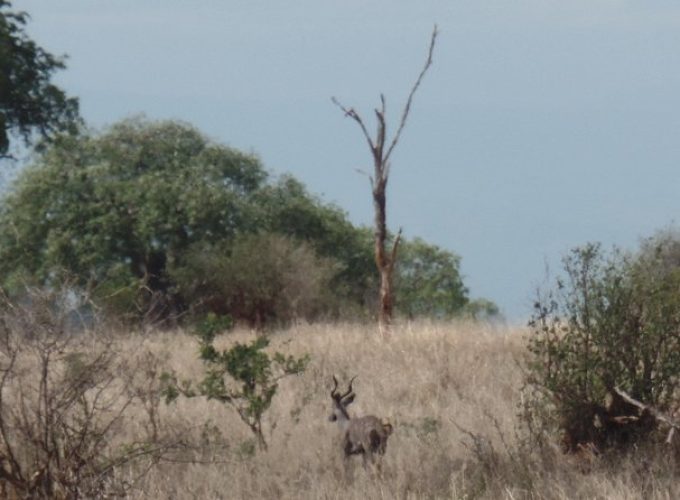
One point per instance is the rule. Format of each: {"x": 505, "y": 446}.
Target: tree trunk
{"x": 381, "y": 150}
{"x": 383, "y": 260}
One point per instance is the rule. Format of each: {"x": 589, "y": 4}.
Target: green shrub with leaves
{"x": 245, "y": 377}
{"x": 611, "y": 324}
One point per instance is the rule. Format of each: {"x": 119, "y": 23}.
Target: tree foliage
{"x": 114, "y": 209}
{"x": 29, "y": 102}
{"x": 428, "y": 282}
{"x": 289, "y": 209}
{"x": 118, "y": 210}
{"x": 152, "y": 219}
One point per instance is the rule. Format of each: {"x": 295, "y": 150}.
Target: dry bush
{"x": 66, "y": 395}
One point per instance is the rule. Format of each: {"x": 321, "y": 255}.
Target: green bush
{"x": 244, "y": 377}
{"x": 612, "y": 322}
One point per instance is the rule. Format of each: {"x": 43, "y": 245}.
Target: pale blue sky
{"x": 541, "y": 126}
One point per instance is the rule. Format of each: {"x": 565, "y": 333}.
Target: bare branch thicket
{"x": 64, "y": 398}
{"x": 381, "y": 150}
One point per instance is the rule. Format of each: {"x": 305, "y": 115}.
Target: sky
{"x": 542, "y": 124}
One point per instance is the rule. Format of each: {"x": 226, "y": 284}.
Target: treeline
{"x": 154, "y": 222}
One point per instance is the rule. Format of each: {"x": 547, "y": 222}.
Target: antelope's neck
{"x": 343, "y": 423}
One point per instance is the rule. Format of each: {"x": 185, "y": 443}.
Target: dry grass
{"x": 451, "y": 391}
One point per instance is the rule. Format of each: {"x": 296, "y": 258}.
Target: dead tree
{"x": 381, "y": 150}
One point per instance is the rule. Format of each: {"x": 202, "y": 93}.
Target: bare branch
{"x": 380, "y": 135}
{"x": 407, "y": 108}
{"x": 381, "y": 155}
{"x": 652, "y": 411}
{"x": 355, "y": 116}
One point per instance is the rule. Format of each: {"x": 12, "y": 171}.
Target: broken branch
{"x": 652, "y": 411}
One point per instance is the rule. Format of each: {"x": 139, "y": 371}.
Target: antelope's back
{"x": 369, "y": 431}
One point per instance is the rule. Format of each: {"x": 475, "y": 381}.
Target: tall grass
{"x": 451, "y": 390}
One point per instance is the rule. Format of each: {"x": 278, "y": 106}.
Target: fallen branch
{"x": 652, "y": 411}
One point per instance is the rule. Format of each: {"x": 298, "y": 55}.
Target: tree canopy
{"x": 111, "y": 210}
{"x": 30, "y": 104}
{"x": 428, "y": 281}
{"x": 153, "y": 219}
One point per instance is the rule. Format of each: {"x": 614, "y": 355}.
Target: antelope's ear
{"x": 348, "y": 400}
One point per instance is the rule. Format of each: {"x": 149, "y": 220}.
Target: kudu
{"x": 363, "y": 436}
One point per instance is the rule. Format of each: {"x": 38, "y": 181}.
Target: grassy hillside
{"x": 451, "y": 391}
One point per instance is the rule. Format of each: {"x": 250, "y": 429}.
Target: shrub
{"x": 612, "y": 322}
{"x": 259, "y": 279}
{"x": 244, "y": 377}
{"x": 64, "y": 397}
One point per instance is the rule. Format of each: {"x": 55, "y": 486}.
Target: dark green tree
{"x": 151, "y": 219}
{"x": 30, "y": 104}
{"x": 113, "y": 210}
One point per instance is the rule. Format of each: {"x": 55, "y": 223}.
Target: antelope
{"x": 363, "y": 436}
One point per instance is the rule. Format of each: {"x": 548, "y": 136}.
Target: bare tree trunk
{"x": 381, "y": 170}
{"x": 383, "y": 260}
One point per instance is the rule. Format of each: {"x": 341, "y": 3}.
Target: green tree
{"x": 151, "y": 219}
{"x": 118, "y": 210}
{"x": 481, "y": 309}
{"x": 428, "y": 281}
{"x": 30, "y": 104}
{"x": 113, "y": 210}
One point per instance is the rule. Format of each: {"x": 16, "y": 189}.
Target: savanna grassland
{"x": 451, "y": 390}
